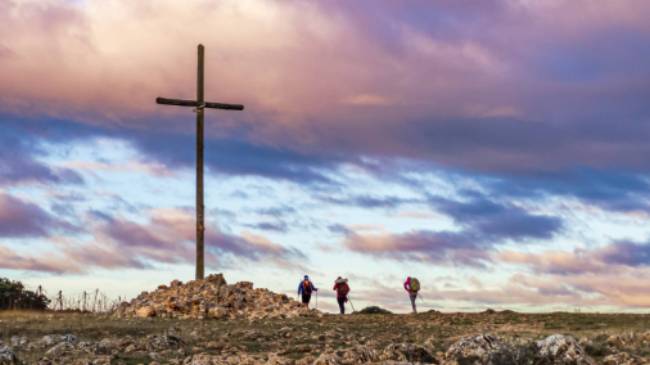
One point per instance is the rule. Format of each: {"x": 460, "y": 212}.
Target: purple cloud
{"x": 22, "y": 219}
{"x": 495, "y": 221}
{"x": 169, "y": 238}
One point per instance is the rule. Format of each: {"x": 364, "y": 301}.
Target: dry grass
{"x": 439, "y": 329}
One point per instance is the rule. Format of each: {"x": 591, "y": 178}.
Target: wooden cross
{"x": 199, "y": 104}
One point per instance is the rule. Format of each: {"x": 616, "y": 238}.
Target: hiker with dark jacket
{"x": 412, "y": 286}
{"x": 305, "y": 288}
{"x": 342, "y": 289}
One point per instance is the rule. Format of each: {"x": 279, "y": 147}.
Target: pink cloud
{"x": 167, "y": 237}
{"x": 12, "y": 260}
{"x": 317, "y": 76}
{"x": 431, "y": 246}
{"x": 614, "y": 257}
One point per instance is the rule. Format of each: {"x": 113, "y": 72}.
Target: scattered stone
{"x": 48, "y": 340}
{"x": 69, "y": 338}
{"x": 18, "y": 341}
{"x": 7, "y": 356}
{"x": 59, "y": 350}
{"x": 623, "y": 358}
{"x": 483, "y": 349}
{"x": 407, "y": 352}
{"x": 355, "y": 355}
{"x": 562, "y": 350}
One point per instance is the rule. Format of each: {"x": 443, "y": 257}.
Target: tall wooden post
{"x": 199, "y": 104}
{"x": 200, "y": 227}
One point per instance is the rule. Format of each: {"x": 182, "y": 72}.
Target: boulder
{"x": 561, "y": 350}
{"x": 145, "y": 312}
{"x": 59, "y": 350}
{"x": 407, "y": 352}
{"x": 7, "y": 356}
{"x": 355, "y": 355}
{"x": 484, "y": 349}
{"x": 18, "y": 341}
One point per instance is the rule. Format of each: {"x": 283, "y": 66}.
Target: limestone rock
{"x": 562, "y": 350}
{"x": 59, "y": 350}
{"x": 7, "y": 356}
{"x": 145, "y": 312}
{"x": 18, "y": 341}
{"x": 407, "y": 352}
{"x": 483, "y": 349}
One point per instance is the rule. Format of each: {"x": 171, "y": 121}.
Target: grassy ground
{"x": 294, "y": 338}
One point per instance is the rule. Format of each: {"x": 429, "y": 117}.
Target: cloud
{"x": 170, "y": 234}
{"x": 438, "y": 247}
{"x": 167, "y": 237}
{"x": 495, "y": 221}
{"x": 463, "y": 97}
{"x": 19, "y": 156}
{"x": 278, "y": 226}
{"x": 19, "y": 219}
{"x": 234, "y": 156}
{"x": 15, "y": 261}
{"x": 425, "y": 83}
{"x": 367, "y": 201}
{"x": 609, "y": 189}
{"x": 484, "y": 224}
{"x": 614, "y": 257}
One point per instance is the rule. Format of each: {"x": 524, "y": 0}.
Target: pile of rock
{"x": 212, "y": 298}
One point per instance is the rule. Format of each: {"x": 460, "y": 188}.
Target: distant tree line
{"x": 13, "y": 295}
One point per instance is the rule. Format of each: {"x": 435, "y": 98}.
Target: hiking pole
{"x": 351, "y": 305}
{"x": 316, "y": 300}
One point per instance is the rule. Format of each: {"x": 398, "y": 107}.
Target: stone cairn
{"x": 212, "y": 298}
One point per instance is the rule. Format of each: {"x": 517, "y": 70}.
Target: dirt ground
{"x": 68, "y": 337}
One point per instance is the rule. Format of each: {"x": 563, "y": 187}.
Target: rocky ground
{"x": 427, "y": 338}
{"x": 209, "y": 322}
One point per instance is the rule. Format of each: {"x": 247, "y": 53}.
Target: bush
{"x": 374, "y": 310}
{"x": 13, "y": 295}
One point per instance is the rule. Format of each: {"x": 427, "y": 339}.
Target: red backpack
{"x": 306, "y": 287}
{"x": 343, "y": 289}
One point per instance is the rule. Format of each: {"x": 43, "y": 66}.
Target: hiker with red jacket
{"x": 305, "y": 288}
{"x": 412, "y": 286}
{"x": 342, "y": 289}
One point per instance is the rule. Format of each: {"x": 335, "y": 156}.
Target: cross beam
{"x": 199, "y": 104}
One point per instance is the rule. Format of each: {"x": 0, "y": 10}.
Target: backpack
{"x": 415, "y": 285}
{"x": 343, "y": 290}
{"x": 306, "y": 287}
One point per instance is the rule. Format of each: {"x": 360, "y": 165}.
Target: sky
{"x": 497, "y": 150}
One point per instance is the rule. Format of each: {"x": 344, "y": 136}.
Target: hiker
{"x": 342, "y": 289}
{"x": 412, "y": 286}
{"x": 305, "y": 288}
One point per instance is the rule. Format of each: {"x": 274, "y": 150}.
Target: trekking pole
{"x": 316, "y": 300}
{"x": 351, "y": 305}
